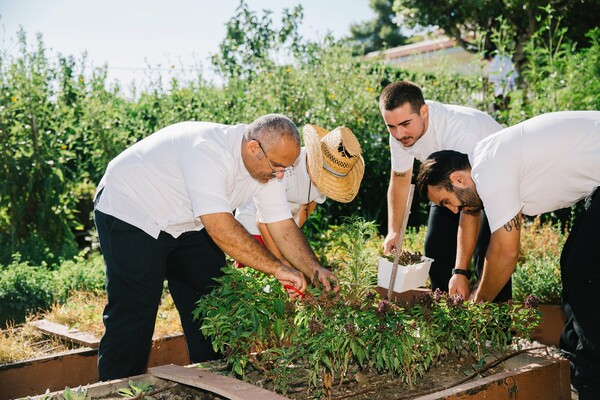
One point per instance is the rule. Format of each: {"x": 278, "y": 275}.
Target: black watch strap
{"x": 462, "y": 272}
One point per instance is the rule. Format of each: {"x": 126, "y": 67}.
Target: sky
{"x": 131, "y": 35}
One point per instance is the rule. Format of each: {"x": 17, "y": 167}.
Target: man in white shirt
{"x": 330, "y": 165}
{"x": 163, "y": 209}
{"x": 543, "y": 164}
{"x": 418, "y": 128}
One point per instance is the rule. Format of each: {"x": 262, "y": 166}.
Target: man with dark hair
{"x": 540, "y": 165}
{"x": 418, "y": 128}
{"x": 164, "y": 210}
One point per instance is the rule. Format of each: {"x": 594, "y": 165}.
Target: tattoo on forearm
{"x": 515, "y": 223}
{"x": 400, "y": 174}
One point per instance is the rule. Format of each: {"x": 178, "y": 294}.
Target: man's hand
{"x": 326, "y": 277}
{"x": 459, "y": 284}
{"x": 389, "y": 244}
{"x": 289, "y": 276}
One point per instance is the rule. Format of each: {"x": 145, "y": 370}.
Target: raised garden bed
{"x": 75, "y": 367}
{"x": 523, "y": 377}
{"x": 172, "y": 382}
{"x": 265, "y": 329}
{"x": 551, "y": 325}
{"x": 79, "y": 367}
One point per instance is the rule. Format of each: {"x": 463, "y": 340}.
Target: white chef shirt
{"x": 170, "y": 178}
{"x": 540, "y": 165}
{"x": 450, "y": 128}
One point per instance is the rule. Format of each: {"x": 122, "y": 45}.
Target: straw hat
{"x": 334, "y": 161}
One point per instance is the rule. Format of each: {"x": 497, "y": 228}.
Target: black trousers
{"x": 580, "y": 269}
{"x": 440, "y": 244}
{"x": 136, "y": 267}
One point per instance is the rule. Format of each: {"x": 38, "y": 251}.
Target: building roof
{"x": 414, "y": 48}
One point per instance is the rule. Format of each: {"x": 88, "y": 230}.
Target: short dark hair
{"x": 436, "y": 170}
{"x": 397, "y": 94}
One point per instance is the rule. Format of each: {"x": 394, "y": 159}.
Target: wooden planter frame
{"x": 540, "y": 379}
{"x": 75, "y": 367}
{"x": 546, "y": 379}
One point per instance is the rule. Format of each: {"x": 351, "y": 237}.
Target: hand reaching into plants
{"x": 459, "y": 284}
{"x": 389, "y": 244}
{"x": 327, "y": 279}
{"x": 290, "y": 277}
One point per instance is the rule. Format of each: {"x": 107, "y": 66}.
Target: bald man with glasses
{"x": 163, "y": 210}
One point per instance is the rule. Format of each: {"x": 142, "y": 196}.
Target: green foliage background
{"x": 59, "y": 127}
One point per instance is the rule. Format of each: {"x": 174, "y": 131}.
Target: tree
{"x": 251, "y": 41}
{"x": 380, "y": 32}
{"x": 461, "y": 18}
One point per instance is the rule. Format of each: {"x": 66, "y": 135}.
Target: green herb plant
{"x": 352, "y": 251}
{"x": 405, "y": 257}
{"x": 245, "y": 316}
{"x": 137, "y": 392}
{"x": 326, "y": 335}
{"x": 78, "y": 394}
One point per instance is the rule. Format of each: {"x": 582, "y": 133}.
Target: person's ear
{"x": 253, "y": 148}
{"x": 459, "y": 179}
{"x": 424, "y": 111}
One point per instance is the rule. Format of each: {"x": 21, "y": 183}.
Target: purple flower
{"x": 383, "y": 307}
{"x": 315, "y": 326}
{"x": 531, "y": 302}
{"x": 350, "y": 328}
{"x": 399, "y": 328}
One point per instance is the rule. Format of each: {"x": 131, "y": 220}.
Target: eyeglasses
{"x": 280, "y": 170}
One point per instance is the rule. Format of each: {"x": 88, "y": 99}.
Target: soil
{"x": 370, "y": 385}
{"x": 362, "y": 385}
{"x": 172, "y": 391}
{"x": 357, "y": 385}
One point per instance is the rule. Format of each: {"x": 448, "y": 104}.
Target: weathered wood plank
{"x": 225, "y": 386}
{"x": 66, "y": 333}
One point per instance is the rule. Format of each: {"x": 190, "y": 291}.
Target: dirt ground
{"x": 361, "y": 385}
{"x": 172, "y": 391}
{"x": 365, "y": 385}
{"x": 370, "y": 385}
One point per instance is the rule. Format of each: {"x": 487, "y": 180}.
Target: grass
{"x": 82, "y": 311}
{"x": 24, "y": 341}
{"x": 541, "y": 240}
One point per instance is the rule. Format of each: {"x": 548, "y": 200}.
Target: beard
{"x": 471, "y": 203}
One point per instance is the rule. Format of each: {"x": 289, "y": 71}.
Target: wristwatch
{"x": 464, "y": 272}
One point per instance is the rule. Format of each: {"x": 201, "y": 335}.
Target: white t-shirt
{"x": 170, "y": 178}
{"x": 450, "y": 128}
{"x": 540, "y": 165}
{"x": 297, "y": 184}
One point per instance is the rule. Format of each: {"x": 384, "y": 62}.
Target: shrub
{"x": 24, "y": 289}
{"x": 540, "y": 278}
{"x": 538, "y": 268}
{"x": 82, "y": 273}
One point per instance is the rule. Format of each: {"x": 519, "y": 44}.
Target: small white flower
{"x": 267, "y": 289}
